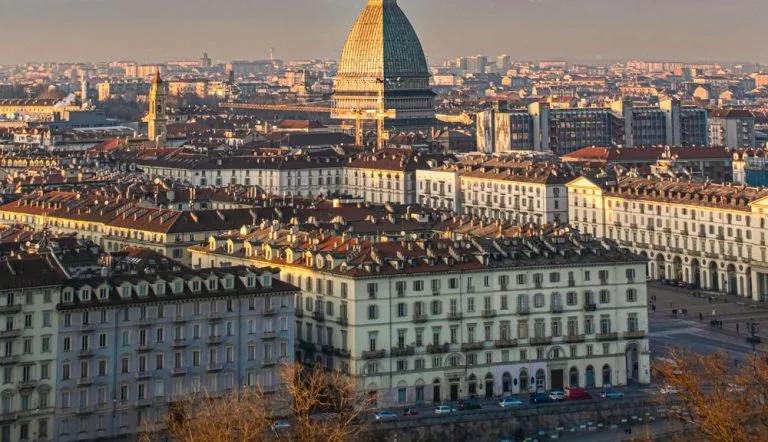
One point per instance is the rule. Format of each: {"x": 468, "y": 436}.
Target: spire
{"x": 157, "y": 79}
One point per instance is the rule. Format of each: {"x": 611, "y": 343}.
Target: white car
{"x": 510, "y": 402}
{"x": 280, "y": 425}
{"x": 557, "y": 395}
{"x": 384, "y": 415}
{"x": 443, "y": 409}
{"x": 668, "y": 389}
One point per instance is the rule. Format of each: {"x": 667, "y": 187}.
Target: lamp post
{"x": 754, "y": 328}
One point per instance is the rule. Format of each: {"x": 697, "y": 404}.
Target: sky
{"x": 583, "y": 30}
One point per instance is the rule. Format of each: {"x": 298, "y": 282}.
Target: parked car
{"x": 557, "y": 395}
{"x": 469, "y": 404}
{"x": 668, "y": 389}
{"x": 443, "y": 409}
{"x": 540, "y": 398}
{"x": 384, "y": 415}
{"x": 510, "y": 401}
{"x": 610, "y": 393}
{"x": 280, "y": 425}
{"x": 576, "y": 394}
{"x": 410, "y": 412}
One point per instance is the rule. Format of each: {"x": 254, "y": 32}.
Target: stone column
{"x": 755, "y": 285}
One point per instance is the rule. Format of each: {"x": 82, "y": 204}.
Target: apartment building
{"x": 29, "y": 291}
{"x": 734, "y": 128}
{"x": 509, "y": 189}
{"x": 712, "y": 235}
{"x": 444, "y": 319}
{"x": 130, "y": 346}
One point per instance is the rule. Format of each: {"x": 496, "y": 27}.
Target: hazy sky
{"x": 148, "y": 30}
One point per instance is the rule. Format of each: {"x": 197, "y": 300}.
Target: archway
{"x": 436, "y": 398}
{"x": 696, "y": 272}
{"x": 713, "y": 277}
{"x": 420, "y": 391}
{"x": 677, "y": 268}
{"x": 541, "y": 379}
{"x": 606, "y": 375}
{"x": 402, "y": 392}
{"x": 733, "y": 284}
{"x": 523, "y": 379}
{"x": 632, "y": 362}
{"x": 472, "y": 386}
{"x": 590, "y": 377}
{"x": 648, "y": 269}
{"x": 660, "y": 267}
{"x": 488, "y": 385}
{"x": 573, "y": 377}
{"x": 506, "y": 382}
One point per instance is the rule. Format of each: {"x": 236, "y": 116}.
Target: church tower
{"x": 156, "y": 118}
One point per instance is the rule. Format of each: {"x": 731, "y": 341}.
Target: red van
{"x": 576, "y": 394}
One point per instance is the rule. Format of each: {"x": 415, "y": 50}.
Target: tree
{"x": 320, "y": 405}
{"x": 722, "y": 402}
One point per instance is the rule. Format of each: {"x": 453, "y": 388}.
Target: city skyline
{"x": 238, "y": 29}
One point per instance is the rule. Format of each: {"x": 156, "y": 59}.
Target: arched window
{"x": 606, "y": 374}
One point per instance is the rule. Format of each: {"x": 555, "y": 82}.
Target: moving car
{"x": 383, "y": 415}
{"x": 443, "y": 409}
{"x": 540, "y": 398}
{"x": 469, "y": 404}
{"x": 410, "y": 412}
{"x": 576, "y": 394}
{"x": 610, "y": 393}
{"x": 557, "y": 395}
{"x": 510, "y": 402}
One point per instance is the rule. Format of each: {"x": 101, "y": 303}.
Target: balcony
{"x": 625, "y": 243}
{"x": 571, "y": 283}
{"x": 307, "y": 346}
{"x": 505, "y": 343}
{"x": 143, "y": 402}
{"x": 637, "y": 334}
{"x": 214, "y": 317}
{"x": 270, "y": 312}
{"x": 544, "y": 340}
{"x": 438, "y": 348}
{"x": 145, "y": 322}
{"x": 9, "y": 360}
{"x": 179, "y": 371}
{"x": 179, "y": 319}
{"x": 612, "y": 336}
{"x": 702, "y": 234}
{"x": 488, "y": 314}
{"x": 87, "y": 328}
{"x": 711, "y": 255}
{"x": 179, "y": 343}
{"x": 327, "y": 349}
{"x": 342, "y": 320}
{"x": 266, "y": 363}
{"x": 9, "y": 309}
{"x": 214, "y": 367}
{"x": 318, "y": 316}
{"x": 86, "y": 353}
{"x": 214, "y": 340}
{"x": 472, "y": 346}
{"x": 651, "y": 227}
{"x": 503, "y": 287}
{"x": 378, "y": 354}
{"x": 574, "y": 338}
{"x": 144, "y": 374}
{"x": 455, "y": 316}
{"x": 84, "y": 410}
{"x": 556, "y": 309}
{"x": 523, "y": 310}
{"x": 298, "y": 313}
{"x": 10, "y": 334}
{"x": 590, "y": 307}
{"x": 341, "y": 352}
{"x": 29, "y": 384}
{"x": 659, "y": 248}
{"x": 420, "y": 318}
{"x": 143, "y": 348}
{"x": 666, "y": 230}
{"x": 721, "y": 237}
{"x": 268, "y": 335}
{"x": 675, "y": 249}
{"x": 405, "y": 351}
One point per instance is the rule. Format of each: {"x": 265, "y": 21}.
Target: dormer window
{"x": 250, "y": 280}
{"x": 228, "y": 283}
{"x": 126, "y": 291}
{"x": 177, "y": 287}
{"x": 211, "y": 284}
{"x": 103, "y": 293}
{"x": 85, "y": 295}
{"x": 160, "y": 288}
{"x": 266, "y": 280}
{"x": 67, "y": 297}
{"x": 195, "y": 286}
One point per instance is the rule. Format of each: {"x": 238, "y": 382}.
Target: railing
{"x": 574, "y": 338}
{"x": 214, "y": 367}
{"x": 318, "y": 316}
{"x": 143, "y": 348}
{"x": 523, "y": 310}
{"x": 342, "y": 320}
{"x": 298, "y": 312}
{"x": 405, "y": 351}
{"x": 505, "y": 343}
{"x": 180, "y": 371}
{"x": 143, "y": 374}
{"x": 487, "y": 314}
{"x": 472, "y": 346}
{"x": 271, "y": 312}
{"x": 637, "y": 334}
{"x": 556, "y": 309}
{"x": 32, "y": 383}
{"x": 454, "y": 316}
{"x": 607, "y": 336}
{"x": 377, "y": 354}
{"x": 268, "y": 335}
{"x": 438, "y": 348}
{"x": 10, "y": 334}
{"x": 179, "y": 318}
{"x": 214, "y": 340}
{"x": 179, "y": 343}
{"x": 419, "y": 318}
{"x": 541, "y": 340}
{"x": 8, "y": 360}
{"x": 590, "y": 307}
{"x": 13, "y": 308}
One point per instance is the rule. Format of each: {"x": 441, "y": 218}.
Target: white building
{"x": 448, "y": 319}
{"x": 707, "y": 234}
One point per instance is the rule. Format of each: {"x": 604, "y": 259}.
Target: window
{"x": 630, "y": 275}
{"x": 538, "y": 300}
{"x": 400, "y": 288}
{"x": 436, "y": 307}
{"x": 418, "y": 286}
{"x": 572, "y": 298}
{"x": 554, "y": 277}
{"x": 631, "y": 295}
{"x": 402, "y": 310}
{"x": 605, "y": 297}
{"x": 373, "y": 289}
{"x": 373, "y": 312}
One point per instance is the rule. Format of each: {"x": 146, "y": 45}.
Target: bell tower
{"x": 157, "y": 121}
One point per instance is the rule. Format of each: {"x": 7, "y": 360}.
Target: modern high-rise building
{"x": 383, "y": 60}
{"x": 732, "y": 128}
{"x": 503, "y": 63}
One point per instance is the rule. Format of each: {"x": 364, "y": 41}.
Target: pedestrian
{"x": 701, "y": 317}
{"x": 737, "y": 328}
{"x": 710, "y": 299}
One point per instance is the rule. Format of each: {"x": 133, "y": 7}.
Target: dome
{"x": 382, "y": 42}
{"x": 383, "y": 55}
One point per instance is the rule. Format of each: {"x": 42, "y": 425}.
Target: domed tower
{"x": 383, "y": 58}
